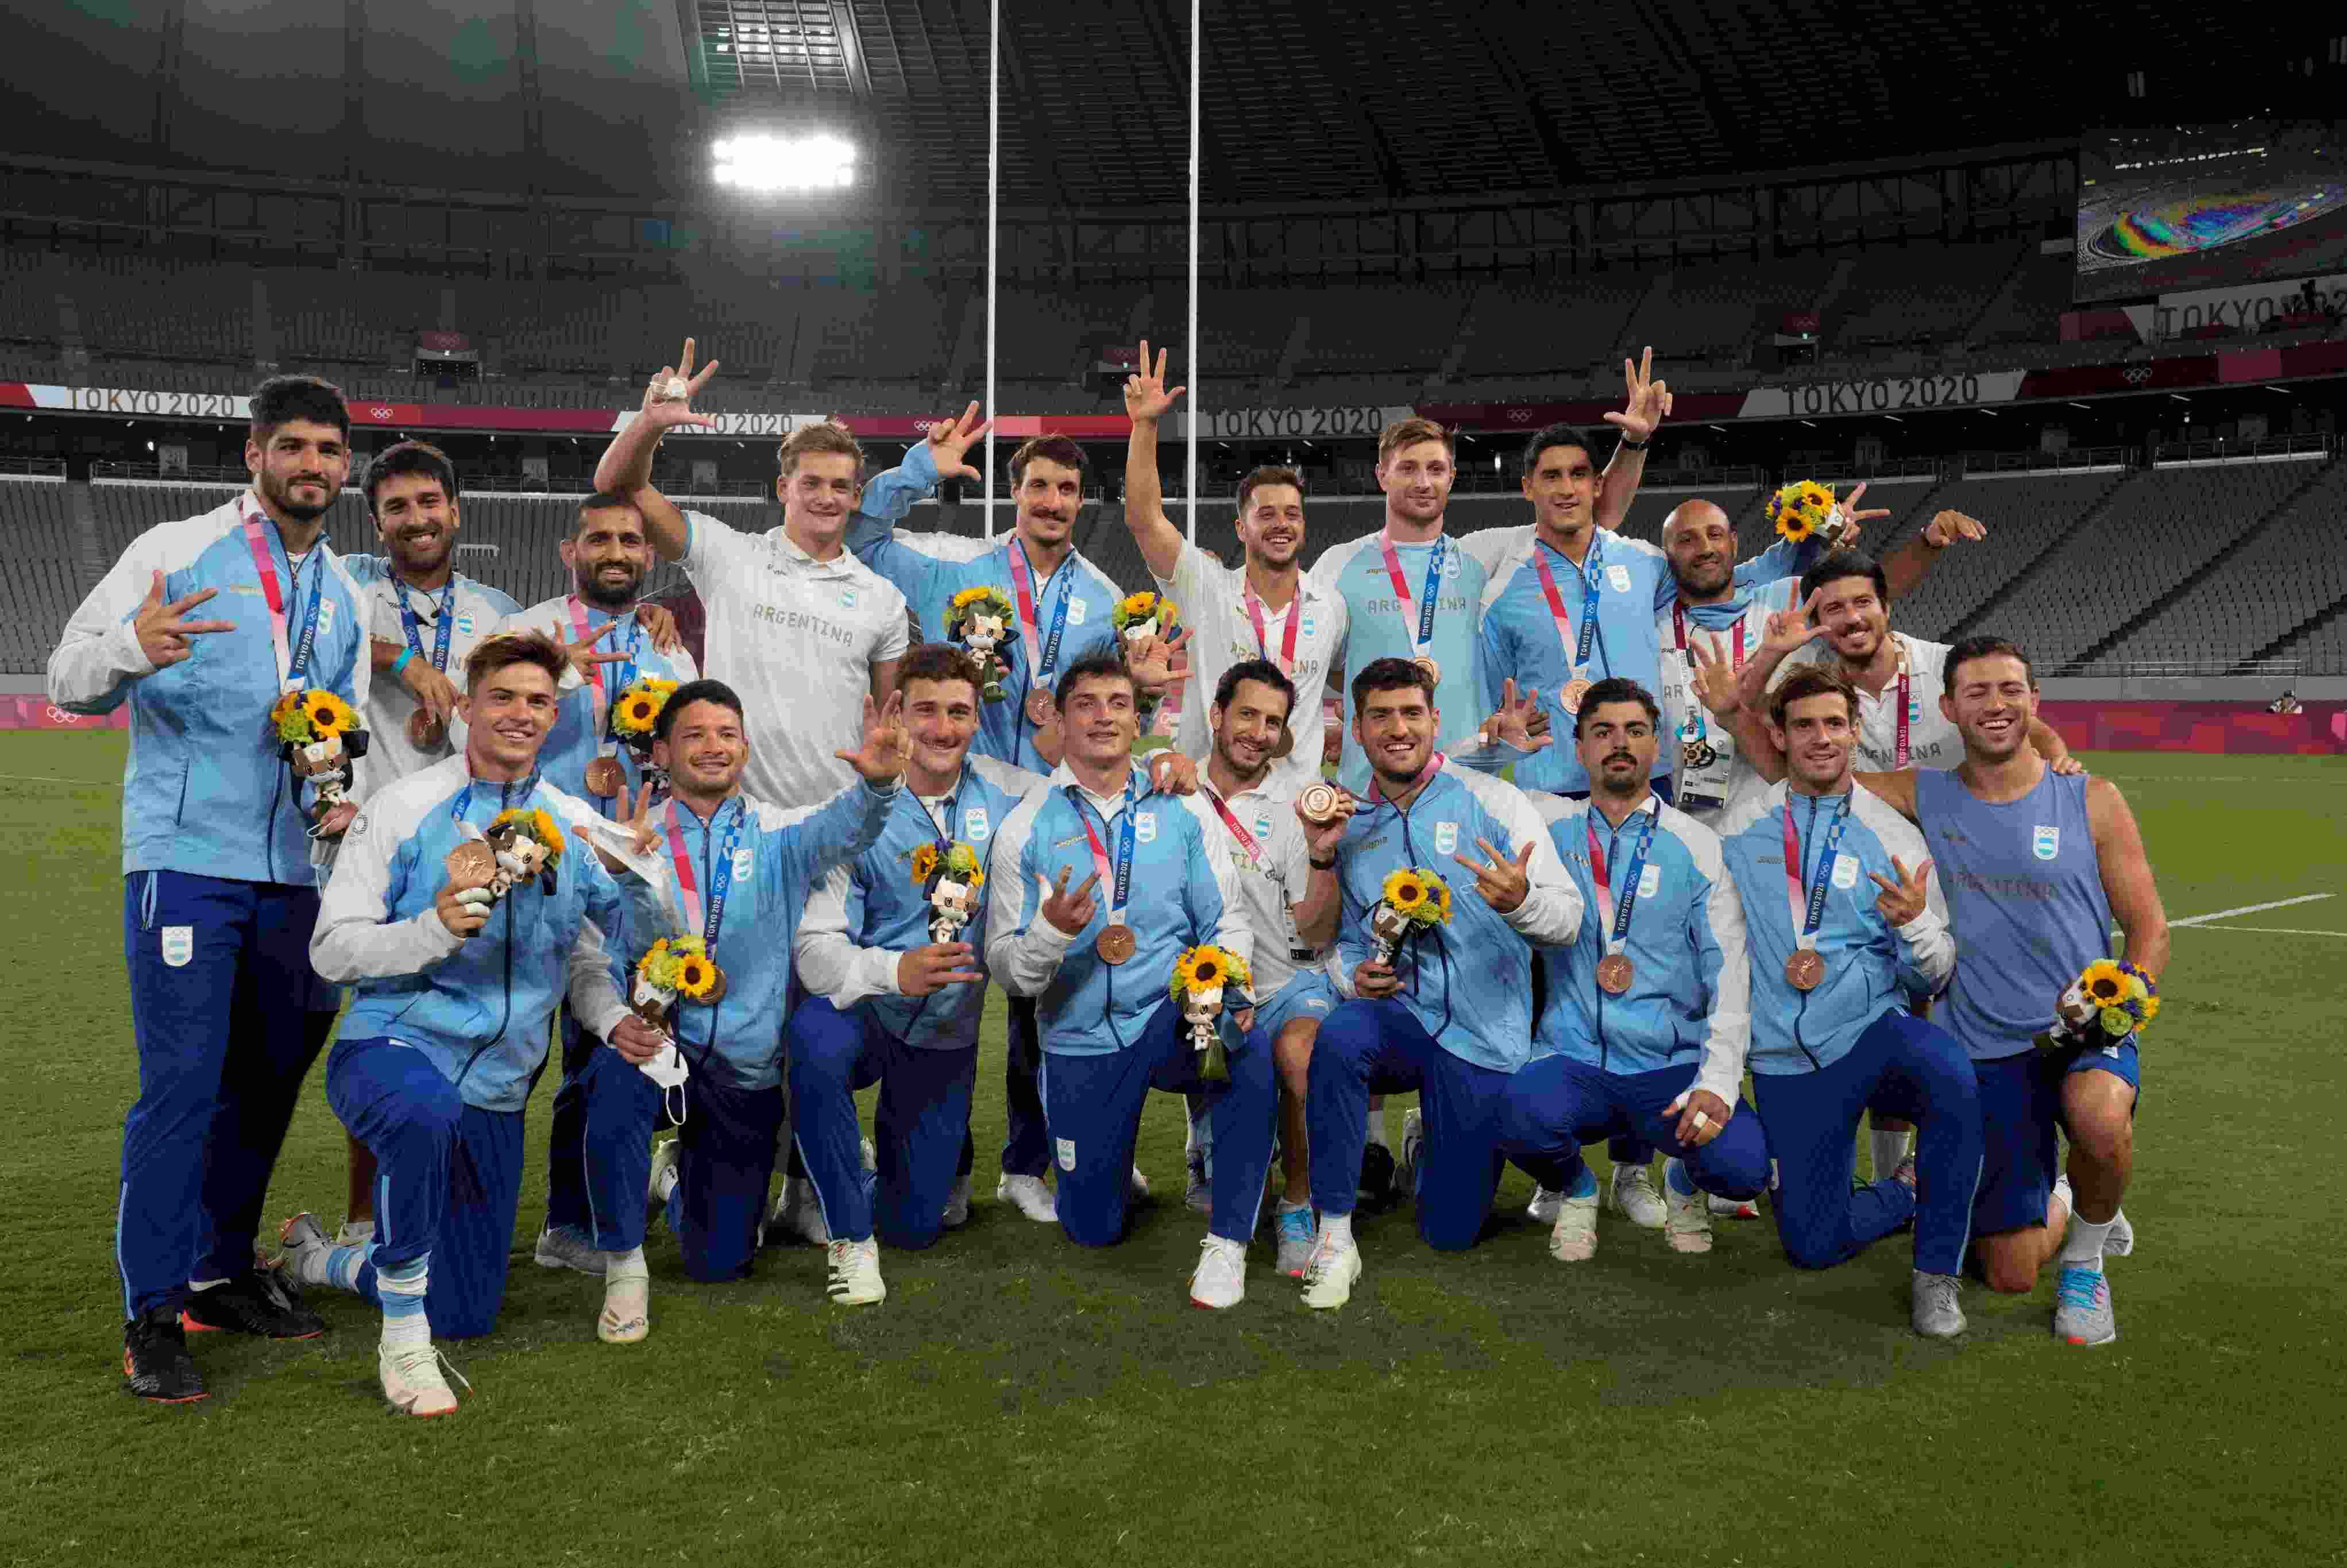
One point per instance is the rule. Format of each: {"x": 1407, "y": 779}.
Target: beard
{"x": 1703, "y": 582}
{"x": 279, "y": 493}
{"x": 592, "y": 589}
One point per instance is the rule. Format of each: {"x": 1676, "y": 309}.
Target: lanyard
{"x": 1698, "y": 725}
{"x": 1619, "y": 921}
{"x": 292, "y": 658}
{"x": 599, "y": 689}
{"x": 1557, "y": 605}
{"x": 1246, "y": 840}
{"x": 1810, "y": 912}
{"x": 1898, "y": 738}
{"x": 1287, "y": 659}
{"x": 444, "y": 622}
{"x": 1040, "y": 667}
{"x": 1425, "y": 605}
{"x": 1433, "y": 765}
{"x": 720, "y": 875}
{"x": 928, "y": 818}
{"x": 1120, "y": 880}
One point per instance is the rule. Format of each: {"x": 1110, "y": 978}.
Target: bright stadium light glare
{"x": 770, "y": 163}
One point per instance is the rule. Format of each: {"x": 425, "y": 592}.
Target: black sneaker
{"x": 258, "y": 1301}
{"x": 155, "y": 1365}
{"x": 1377, "y": 1176}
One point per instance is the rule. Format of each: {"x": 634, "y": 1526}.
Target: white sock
{"x": 1889, "y": 1148}
{"x": 403, "y": 1322}
{"x": 2082, "y": 1246}
{"x": 625, "y": 1265}
{"x": 1288, "y": 1206}
{"x": 1376, "y": 1128}
{"x": 1337, "y": 1229}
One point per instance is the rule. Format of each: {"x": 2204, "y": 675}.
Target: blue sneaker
{"x": 1296, "y": 1235}
{"x": 2082, "y": 1308}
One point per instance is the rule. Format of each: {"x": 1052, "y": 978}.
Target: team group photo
{"x": 1302, "y": 844}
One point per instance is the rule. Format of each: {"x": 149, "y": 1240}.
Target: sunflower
{"x": 1137, "y": 604}
{"x": 970, "y": 595}
{"x": 1404, "y": 889}
{"x": 542, "y": 827}
{"x": 925, "y": 862}
{"x": 2150, "y": 1008}
{"x": 695, "y": 975}
{"x": 1795, "y": 527}
{"x": 2104, "y": 983}
{"x": 635, "y": 714}
{"x": 328, "y": 714}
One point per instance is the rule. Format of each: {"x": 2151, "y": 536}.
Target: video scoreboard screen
{"x": 2188, "y": 207}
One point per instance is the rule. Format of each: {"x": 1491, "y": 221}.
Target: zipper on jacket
{"x": 504, "y": 1018}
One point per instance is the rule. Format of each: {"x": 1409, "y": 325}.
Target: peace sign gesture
{"x": 1519, "y": 721}
{"x": 585, "y": 656}
{"x": 1649, "y": 400}
{"x": 668, "y": 400}
{"x": 1713, "y": 676}
{"x": 1503, "y": 882}
{"x": 1903, "y": 901}
{"x": 951, "y": 438}
{"x": 635, "y": 819}
{"x": 1071, "y": 912}
{"x": 1852, "y": 517}
{"x": 1145, "y": 397}
{"x": 164, "y": 629}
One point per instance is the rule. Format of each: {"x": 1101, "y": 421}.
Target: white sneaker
{"x": 1631, "y": 1195}
{"x": 1220, "y": 1278}
{"x": 1336, "y": 1264}
{"x": 1730, "y": 1208}
{"x": 412, "y": 1381}
{"x": 1413, "y": 1145}
{"x": 1575, "y": 1238}
{"x": 856, "y": 1273}
{"x": 798, "y": 1215}
{"x": 1029, "y": 1196}
{"x": 355, "y": 1233}
{"x": 1688, "y": 1223}
{"x": 663, "y": 1180}
{"x": 2120, "y": 1240}
{"x": 1136, "y": 1187}
{"x": 565, "y": 1246}
{"x": 627, "y": 1315}
{"x": 303, "y": 1248}
{"x": 957, "y": 1206}
{"x": 1546, "y": 1204}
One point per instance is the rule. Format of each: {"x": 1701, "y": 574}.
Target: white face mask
{"x": 669, "y": 1071}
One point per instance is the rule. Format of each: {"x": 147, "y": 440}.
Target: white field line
{"x": 2273, "y": 930}
{"x": 2248, "y": 909}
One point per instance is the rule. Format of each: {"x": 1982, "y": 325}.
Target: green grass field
{"x": 1018, "y": 1401}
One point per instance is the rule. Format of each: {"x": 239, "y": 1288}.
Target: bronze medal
{"x": 1285, "y": 744}
{"x": 424, "y": 731}
{"x": 1316, "y": 803}
{"x": 1433, "y": 672}
{"x": 1039, "y": 708}
{"x": 1805, "y": 971}
{"x": 471, "y": 864}
{"x": 1115, "y": 944}
{"x": 1574, "y": 691}
{"x": 606, "y": 777}
{"x": 1615, "y": 974}
{"x": 717, "y": 985}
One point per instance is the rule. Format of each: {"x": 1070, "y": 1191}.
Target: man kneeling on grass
{"x": 454, "y": 980}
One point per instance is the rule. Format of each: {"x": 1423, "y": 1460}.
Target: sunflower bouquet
{"x": 1142, "y": 615}
{"x": 672, "y": 968}
{"x": 634, "y": 714}
{"x": 1199, "y": 975}
{"x": 980, "y": 619}
{"x": 319, "y": 736}
{"x": 527, "y": 844}
{"x": 1804, "y": 508}
{"x": 2111, "y": 1002}
{"x": 949, "y": 877}
{"x": 1413, "y": 899}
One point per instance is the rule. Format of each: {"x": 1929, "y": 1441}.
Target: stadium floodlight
{"x": 769, "y": 163}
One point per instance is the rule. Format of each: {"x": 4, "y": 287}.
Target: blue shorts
{"x": 2020, "y": 1116}
{"x": 1307, "y": 994}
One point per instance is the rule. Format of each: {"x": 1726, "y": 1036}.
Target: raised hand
{"x": 1648, "y": 401}
{"x": 1946, "y": 528}
{"x": 881, "y": 758}
{"x": 1854, "y": 520}
{"x": 951, "y": 438}
{"x": 1152, "y": 659}
{"x": 1145, "y": 397}
{"x": 1787, "y": 629}
{"x": 1071, "y": 912}
{"x": 925, "y": 971}
{"x": 462, "y": 917}
{"x": 659, "y": 625}
{"x": 1519, "y": 721}
{"x": 1503, "y": 882}
{"x": 1903, "y": 901}
{"x": 1713, "y": 677}
{"x": 166, "y": 635}
{"x": 1702, "y": 1114}
{"x": 584, "y": 655}
{"x": 1171, "y": 772}
{"x": 1322, "y": 838}
{"x": 666, "y": 404}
